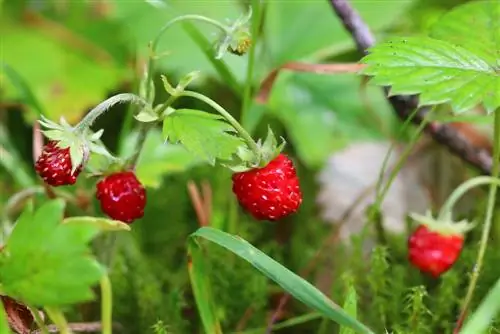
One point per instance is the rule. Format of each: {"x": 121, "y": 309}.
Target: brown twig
{"x": 405, "y": 105}
{"x": 82, "y": 327}
{"x": 268, "y": 82}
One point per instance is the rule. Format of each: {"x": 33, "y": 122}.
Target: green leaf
{"x": 293, "y": 284}
{"x": 350, "y": 306}
{"x": 205, "y": 135}
{"x": 101, "y": 224}
{"x": 158, "y": 158}
{"x": 480, "y": 321}
{"x": 437, "y": 70}
{"x": 474, "y": 26}
{"x": 54, "y": 268}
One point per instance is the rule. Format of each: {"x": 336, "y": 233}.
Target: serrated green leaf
{"x": 102, "y": 224}
{"x": 54, "y": 268}
{"x": 474, "y": 26}
{"x": 205, "y": 135}
{"x": 439, "y": 71}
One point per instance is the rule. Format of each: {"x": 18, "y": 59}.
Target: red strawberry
{"x": 54, "y": 166}
{"x": 269, "y": 193}
{"x": 122, "y": 196}
{"x": 432, "y": 251}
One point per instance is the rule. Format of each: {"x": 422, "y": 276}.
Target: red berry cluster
{"x": 268, "y": 193}
{"x": 121, "y": 195}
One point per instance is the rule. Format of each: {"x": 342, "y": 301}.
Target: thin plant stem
{"x": 106, "y": 305}
{"x": 243, "y": 133}
{"x": 446, "y": 209}
{"x": 39, "y": 321}
{"x": 251, "y": 58}
{"x": 154, "y": 44}
{"x": 487, "y": 221}
{"x": 59, "y": 320}
{"x": 399, "y": 165}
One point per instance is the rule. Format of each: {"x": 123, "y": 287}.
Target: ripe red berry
{"x": 54, "y": 166}
{"x": 432, "y": 251}
{"x": 122, "y": 196}
{"x": 271, "y": 192}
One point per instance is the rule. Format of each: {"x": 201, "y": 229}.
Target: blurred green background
{"x": 61, "y": 58}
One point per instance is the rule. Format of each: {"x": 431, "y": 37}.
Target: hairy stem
{"x": 487, "y": 221}
{"x": 106, "y": 305}
{"x": 447, "y": 208}
{"x": 154, "y": 44}
{"x": 104, "y": 106}
{"x": 243, "y": 133}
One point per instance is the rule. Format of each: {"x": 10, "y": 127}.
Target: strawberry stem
{"x": 154, "y": 45}
{"x": 487, "y": 221}
{"x": 243, "y": 133}
{"x": 447, "y": 208}
{"x": 102, "y": 107}
{"x": 59, "y": 320}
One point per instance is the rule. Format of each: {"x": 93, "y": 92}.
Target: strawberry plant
{"x": 60, "y": 249}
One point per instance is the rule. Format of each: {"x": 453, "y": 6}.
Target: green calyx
{"x": 444, "y": 226}
{"x": 266, "y": 151}
{"x": 80, "y": 143}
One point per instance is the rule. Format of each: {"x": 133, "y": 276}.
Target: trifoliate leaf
{"x": 439, "y": 71}
{"x": 47, "y": 263}
{"x": 205, "y": 135}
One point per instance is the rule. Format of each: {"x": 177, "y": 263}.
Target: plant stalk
{"x": 487, "y": 221}
{"x": 102, "y": 107}
{"x": 243, "y": 133}
{"x": 38, "y": 320}
{"x": 106, "y": 305}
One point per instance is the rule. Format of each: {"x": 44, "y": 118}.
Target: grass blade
{"x": 292, "y": 283}
{"x": 200, "y": 285}
{"x": 479, "y": 321}
{"x": 23, "y": 88}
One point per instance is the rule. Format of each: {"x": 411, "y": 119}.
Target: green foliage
{"x": 205, "y": 135}
{"x": 293, "y": 284}
{"x": 457, "y": 64}
{"x": 53, "y": 268}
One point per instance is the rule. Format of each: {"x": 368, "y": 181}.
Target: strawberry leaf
{"x": 203, "y": 134}
{"x": 47, "y": 263}
{"x": 439, "y": 71}
{"x": 458, "y": 64}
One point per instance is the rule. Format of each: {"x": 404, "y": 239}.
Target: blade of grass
{"x": 299, "y": 288}
{"x": 200, "y": 285}
{"x": 480, "y": 321}
{"x": 286, "y": 324}
{"x": 12, "y": 162}
{"x": 23, "y": 88}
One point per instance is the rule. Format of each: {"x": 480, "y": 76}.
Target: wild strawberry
{"x": 54, "y": 165}
{"x": 433, "y": 251}
{"x": 271, "y": 192}
{"x": 122, "y": 196}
